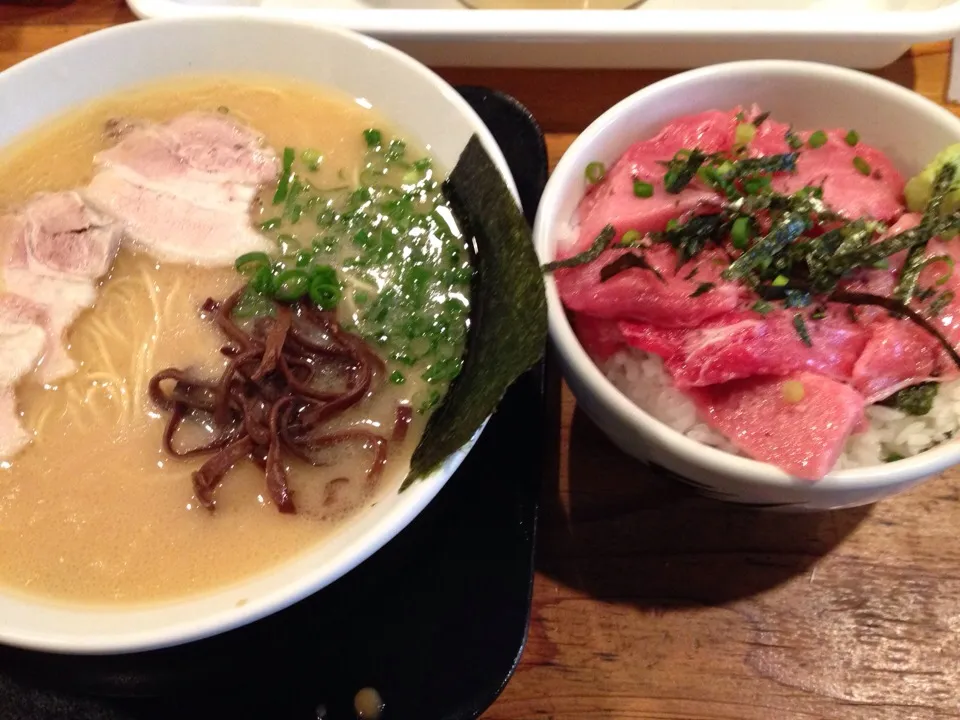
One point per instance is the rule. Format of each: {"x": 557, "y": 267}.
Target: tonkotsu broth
{"x": 95, "y": 510}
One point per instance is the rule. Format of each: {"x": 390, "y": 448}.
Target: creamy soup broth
{"x": 95, "y": 510}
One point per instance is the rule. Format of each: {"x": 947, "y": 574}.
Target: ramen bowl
{"x": 905, "y": 126}
{"x": 416, "y": 101}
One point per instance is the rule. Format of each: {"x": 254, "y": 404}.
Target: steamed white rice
{"x": 641, "y": 377}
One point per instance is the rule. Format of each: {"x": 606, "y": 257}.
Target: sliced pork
{"x": 182, "y": 189}
{"x": 23, "y": 340}
{"x": 55, "y": 249}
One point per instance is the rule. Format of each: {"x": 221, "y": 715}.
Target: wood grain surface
{"x": 651, "y": 603}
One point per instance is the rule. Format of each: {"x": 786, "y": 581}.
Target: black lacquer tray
{"x": 435, "y": 621}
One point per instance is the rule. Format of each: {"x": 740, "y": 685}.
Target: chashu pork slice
{"x": 55, "y": 250}
{"x": 182, "y": 189}
{"x": 23, "y": 339}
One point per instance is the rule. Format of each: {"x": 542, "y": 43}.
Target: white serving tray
{"x": 654, "y": 34}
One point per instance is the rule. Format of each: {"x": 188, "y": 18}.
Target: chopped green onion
{"x": 373, "y": 137}
{"x": 673, "y": 224}
{"x": 325, "y": 297}
{"x": 397, "y": 378}
{"x": 817, "y": 139}
{"x": 249, "y": 263}
{"x": 753, "y": 186}
{"x": 283, "y": 186}
{"x": 852, "y": 138}
{"x": 642, "y": 189}
{"x": 780, "y": 281}
{"x": 630, "y": 237}
{"x": 311, "y": 158}
{"x": 793, "y": 140}
{"x": 271, "y": 224}
{"x": 263, "y": 281}
{"x": 292, "y": 285}
{"x": 744, "y": 133}
{"x": 594, "y": 172}
{"x": 882, "y": 264}
{"x": 862, "y": 166}
{"x": 740, "y": 233}
{"x": 304, "y": 257}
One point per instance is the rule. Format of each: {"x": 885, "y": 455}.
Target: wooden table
{"x": 653, "y": 603}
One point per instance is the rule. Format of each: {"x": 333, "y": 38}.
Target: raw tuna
{"x": 599, "y": 337}
{"x": 747, "y": 344}
{"x": 878, "y": 194}
{"x": 803, "y": 438}
{"x": 612, "y": 201}
{"x": 640, "y": 295}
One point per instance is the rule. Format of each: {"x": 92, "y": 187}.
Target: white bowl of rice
{"x": 630, "y": 395}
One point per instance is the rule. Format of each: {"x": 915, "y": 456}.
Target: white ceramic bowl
{"x": 420, "y": 104}
{"x": 908, "y": 127}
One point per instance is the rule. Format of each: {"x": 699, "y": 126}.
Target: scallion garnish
{"x": 740, "y": 233}
{"x": 251, "y": 262}
{"x": 817, "y": 139}
{"x": 630, "y": 237}
{"x": 852, "y": 138}
{"x": 594, "y": 172}
{"x": 373, "y": 137}
{"x": 862, "y": 166}
{"x": 311, "y": 158}
{"x": 286, "y": 174}
{"x": 642, "y": 189}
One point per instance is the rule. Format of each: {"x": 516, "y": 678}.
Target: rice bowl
{"x": 804, "y": 95}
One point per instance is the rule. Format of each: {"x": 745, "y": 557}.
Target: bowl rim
{"x": 284, "y": 594}
{"x": 577, "y": 361}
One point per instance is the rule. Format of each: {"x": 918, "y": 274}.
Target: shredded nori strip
{"x": 913, "y": 265}
{"x": 600, "y": 243}
{"x": 681, "y": 171}
{"x": 801, "y": 328}
{"x": 508, "y": 318}
{"x": 690, "y": 238}
{"x": 626, "y": 262}
{"x": 702, "y": 288}
{"x": 788, "y": 228}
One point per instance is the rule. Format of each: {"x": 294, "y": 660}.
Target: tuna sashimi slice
{"x": 640, "y": 295}
{"x": 747, "y": 344}
{"x": 613, "y": 201}
{"x": 600, "y": 338}
{"x": 897, "y": 355}
{"x": 846, "y": 189}
{"x": 803, "y": 438}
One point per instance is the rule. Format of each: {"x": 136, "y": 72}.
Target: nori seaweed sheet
{"x": 508, "y": 317}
